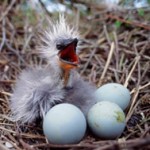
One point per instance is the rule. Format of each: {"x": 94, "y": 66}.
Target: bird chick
{"x": 40, "y": 88}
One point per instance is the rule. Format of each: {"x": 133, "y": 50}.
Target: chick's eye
{"x": 59, "y": 46}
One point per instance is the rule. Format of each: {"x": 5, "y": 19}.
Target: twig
{"x": 44, "y": 7}
{"x": 5, "y": 93}
{"x": 107, "y": 63}
{"x": 25, "y": 135}
{"x": 3, "y": 34}
{"x": 137, "y": 142}
{"x": 132, "y": 53}
{"x": 106, "y": 33}
{"x": 89, "y": 60}
{"x": 25, "y": 145}
{"x": 138, "y": 24}
{"x": 15, "y": 51}
{"x": 120, "y": 144}
{"x": 82, "y": 145}
{"x": 140, "y": 88}
{"x": 7, "y": 10}
{"x": 130, "y": 112}
{"x": 5, "y": 117}
{"x": 129, "y": 76}
{"x": 14, "y": 143}
{"x": 7, "y": 81}
{"x": 133, "y": 102}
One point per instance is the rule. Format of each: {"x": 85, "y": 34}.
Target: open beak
{"x": 67, "y": 56}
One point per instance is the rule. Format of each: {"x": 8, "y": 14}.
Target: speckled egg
{"x": 114, "y": 92}
{"x": 106, "y": 120}
{"x": 64, "y": 124}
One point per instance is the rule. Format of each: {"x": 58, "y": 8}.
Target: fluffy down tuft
{"x": 55, "y": 32}
{"x": 36, "y": 91}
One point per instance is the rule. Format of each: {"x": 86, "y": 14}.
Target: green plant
{"x": 140, "y": 12}
{"x": 118, "y": 24}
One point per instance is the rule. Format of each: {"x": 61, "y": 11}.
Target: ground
{"x": 115, "y": 48}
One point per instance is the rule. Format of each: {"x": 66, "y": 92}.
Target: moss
{"x": 120, "y": 116}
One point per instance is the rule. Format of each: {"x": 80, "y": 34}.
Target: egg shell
{"x": 64, "y": 124}
{"x": 114, "y": 92}
{"x": 106, "y": 120}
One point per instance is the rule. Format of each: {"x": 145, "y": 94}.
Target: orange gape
{"x": 66, "y": 66}
{"x": 68, "y": 57}
{"x": 68, "y": 60}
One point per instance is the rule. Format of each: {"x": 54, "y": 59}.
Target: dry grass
{"x": 109, "y": 54}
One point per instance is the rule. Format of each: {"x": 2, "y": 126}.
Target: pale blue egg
{"x": 106, "y": 120}
{"x": 114, "y": 92}
{"x": 64, "y": 124}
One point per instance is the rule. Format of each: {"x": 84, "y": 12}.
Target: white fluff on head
{"x": 56, "y": 31}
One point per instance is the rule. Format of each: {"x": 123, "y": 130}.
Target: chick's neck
{"x": 66, "y": 71}
{"x": 65, "y": 77}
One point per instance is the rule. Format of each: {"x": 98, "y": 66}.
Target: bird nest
{"x": 115, "y": 48}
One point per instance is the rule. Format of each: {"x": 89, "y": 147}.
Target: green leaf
{"x": 118, "y": 24}
{"x": 141, "y": 12}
